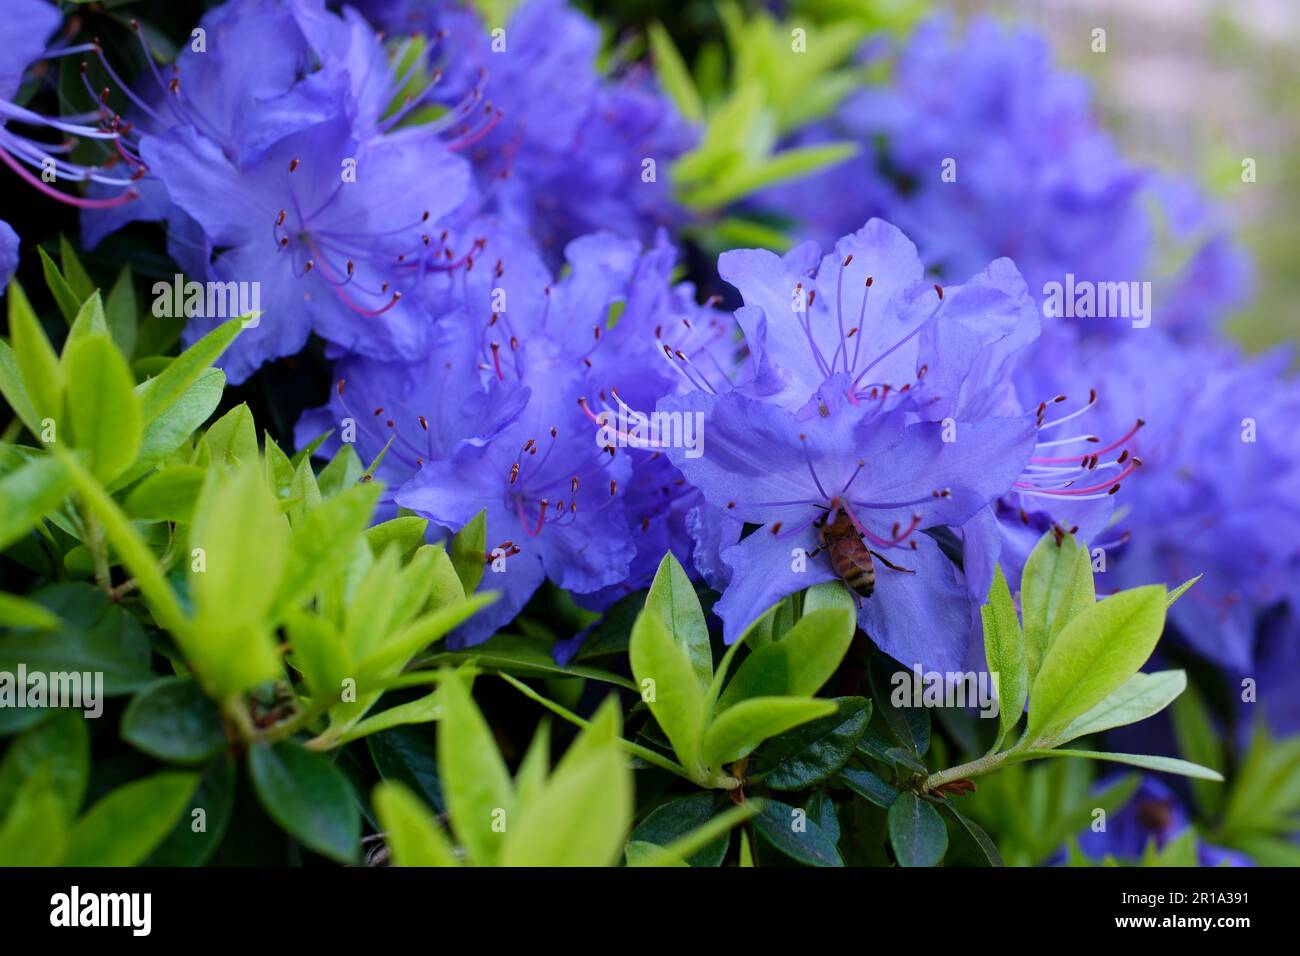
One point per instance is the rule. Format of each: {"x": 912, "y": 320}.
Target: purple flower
{"x": 8, "y": 252}
{"x": 26, "y": 26}
{"x": 566, "y": 155}
{"x": 831, "y": 421}
{"x": 1155, "y": 815}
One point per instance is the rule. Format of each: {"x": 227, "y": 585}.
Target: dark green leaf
{"x": 172, "y": 719}
{"x": 807, "y": 755}
{"x": 916, "y": 831}
{"x": 308, "y": 796}
{"x": 676, "y": 818}
{"x": 792, "y": 831}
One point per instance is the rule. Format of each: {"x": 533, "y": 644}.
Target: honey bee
{"x": 849, "y": 554}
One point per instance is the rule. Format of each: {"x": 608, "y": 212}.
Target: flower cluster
{"x": 478, "y": 221}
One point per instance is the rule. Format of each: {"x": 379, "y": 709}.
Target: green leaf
{"x": 422, "y": 710}
{"x": 60, "y": 742}
{"x": 673, "y": 75}
{"x": 174, "y": 426}
{"x": 123, "y": 827}
{"x": 102, "y": 406}
{"x": 475, "y": 781}
{"x": 244, "y": 542}
{"x": 673, "y": 598}
{"x": 89, "y": 323}
{"x": 799, "y": 663}
{"x": 188, "y": 845}
{"x": 1055, "y": 587}
{"x": 1140, "y": 697}
{"x": 1179, "y": 591}
{"x": 738, "y": 731}
{"x": 582, "y": 815}
{"x": 83, "y": 287}
{"x": 29, "y": 493}
{"x": 1199, "y": 742}
{"x": 1163, "y": 764}
{"x": 791, "y": 831}
{"x": 1004, "y": 648}
{"x": 916, "y": 832}
{"x": 323, "y": 541}
{"x": 233, "y": 437}
{"x": 711, "y": 833}
{"x": 1092, "y": 656}
{"x": 807, "y": 755}
{"x": 869, "y": 786}
{"x": 159, "y": 394}
{"x": 909, "y": 725}
{"x": 120, "y": 313}
{"x": 407, "y": 755}
{"x": 307, "y": 795}
{"x": 167, "y": 495}
{"x": 14, "y": 391}
{"x": 112, "y": 645}
{"x": 408, "y": 531}
{"x": 669, "y": 685}
{"x": 174, "y": 721}
{"x": 18, "y": 612}
{"x": 35, "y": 831}
{"x": 130, "y": 547}
{"x": 469, "y": 552}
{"x": 412, "y": 834}
{"x": 675, "y": 819}
{"x": 42, "y": 374}
{"x": 64, "y": 297}
{"x": 983, "y": 843}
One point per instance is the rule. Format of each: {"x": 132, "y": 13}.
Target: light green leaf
{"x": 42, "y": 374}
{"x": 475, "y": 781}
{"x": 1004, "y": 648}
{"x": 670, "y": 686}
{"x": 18, "y": 612}
{"x": 673, "y": 597}
{"x": 583, "y": 813}
{"x": 102, "y": 406}
{"x": 422, "y": 710}
{"x": 64, "y": 297}
{"x": 233, "y": 437}
{"x": 469, "y": 552}
{"x": 29, "y": 493}
{"x": 738, "y": 731}
{"x": 408, "y": 531}
{"x": 799, "y": 663}
{"x": 174, "y": 426}
{"x": 1163, "y": 764}
{"x": 1092, "y": 656}
{"x": 1179, "y": 591}
{"x": 1055, "y": 587}
{"x": 323, "y": 541}
{"x": 123, "y": 827}
{"x": 244, "y": 542}
{"x": 35, "y": 831}
{"x": 1140, "y": 697}
{"x": 412, "y": 834}
{"x": 89, "y": 323}
{"x": 167, "y": 495}
{"x": 79, "y": 280}
{"x": 120, "y": 312}
{"x": 159, "y": 394}
{"x": 673, "y": 75}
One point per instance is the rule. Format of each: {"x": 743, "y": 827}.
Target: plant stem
{"x": 98, "y": 548}
{"x": 975, "y": 768}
